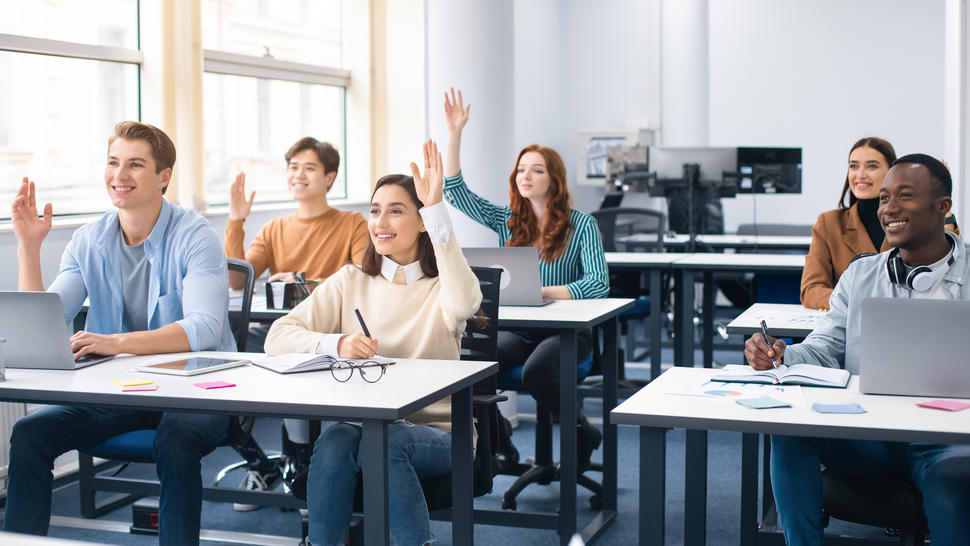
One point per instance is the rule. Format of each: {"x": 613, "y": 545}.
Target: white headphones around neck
{"x": 920, "y": 278}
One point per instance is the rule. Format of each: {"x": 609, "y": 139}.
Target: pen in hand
{"x": 764, "y": 332}
{"x": 361, "y": 320}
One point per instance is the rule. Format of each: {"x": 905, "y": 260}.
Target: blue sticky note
{"x": 765, "y": 402}
{"x": 838, "y": 408}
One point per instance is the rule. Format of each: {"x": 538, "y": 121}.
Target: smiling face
{"x": 394, "y": 224}
{"x": 532, "y": 176}
{"x": 867, "y": 169}
{"x": 305, "y": 177}
{"x": 911, "y": 209}
{"x": 130, "y": 177}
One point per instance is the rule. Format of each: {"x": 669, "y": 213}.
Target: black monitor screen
{"x": 770, "y": 170}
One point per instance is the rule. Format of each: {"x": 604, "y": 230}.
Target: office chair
{"x": 896, "y": 506}
{"x": 138, "y": 446}
{"x": 542, "y": 469}
{"x": 630, "y": 230}
{"x": 479, "y": 341}
{"x": 776, "y": 287}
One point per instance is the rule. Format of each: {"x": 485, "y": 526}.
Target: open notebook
{"x": 310, "y": 362}
{"x": 798, "y": 374}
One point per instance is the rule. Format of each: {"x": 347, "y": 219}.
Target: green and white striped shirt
{"x": 582, "y": 266}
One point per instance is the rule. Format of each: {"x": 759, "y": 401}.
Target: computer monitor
{"x": 770, "y": 170}
{"x": 591, "y": 169}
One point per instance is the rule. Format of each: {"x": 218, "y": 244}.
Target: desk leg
{"x": 695, "y": 488}
{"x": 653, "y": 486}
{"x": 708, "y": 329}
{"x": 610, "y": 372}
{"x": 749, "y": 488}
{"x": 684, "y": 318}
{"x": 654, "y": 323}
{"x": 462, "y": 475}
{"x": 374, "y": 469}
{"x": 567, "y": 435}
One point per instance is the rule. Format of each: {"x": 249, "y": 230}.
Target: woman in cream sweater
{"x": 416, "y": 291}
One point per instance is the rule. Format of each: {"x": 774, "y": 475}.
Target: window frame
{"x": 15, "y": 43}
{"x": 269, "y": 68}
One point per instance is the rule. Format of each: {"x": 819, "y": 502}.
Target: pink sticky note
{"x": 137, "y": 388}
{"x": 215, "y": 385}
{"x": 945, "y": 405}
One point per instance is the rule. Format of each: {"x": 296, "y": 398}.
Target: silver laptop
{"x": 520, "y": 284}
{"x": 37, "y": 336}
{"x": 914, "y": 347}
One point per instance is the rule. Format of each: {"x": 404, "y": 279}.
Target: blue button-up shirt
{"x": 188, "y": 282}
{"x": 835, "y": 341}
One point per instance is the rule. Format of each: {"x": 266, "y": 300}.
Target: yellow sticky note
{"x": 131, "y": 382}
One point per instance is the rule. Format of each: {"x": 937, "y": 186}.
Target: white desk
{"x": 783, "y": 320}
{"x": 405, "y": 388}
{"x": 651, "y": 264}
{"x": 568, "y": 317}
{"x": 889, "y": 418}
{"x": 743, "y": 242}
{"x": 708, "y": 264}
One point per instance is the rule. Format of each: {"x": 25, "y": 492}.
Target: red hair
{"x": 523, "y": 223}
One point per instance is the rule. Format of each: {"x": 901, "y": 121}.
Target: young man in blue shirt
{"x": 155, "y": 276}
{"x": 913, "y": 204}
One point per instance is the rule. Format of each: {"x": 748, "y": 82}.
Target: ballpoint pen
{"x": 764, "y": 332}
{"x": 362, "y": 325}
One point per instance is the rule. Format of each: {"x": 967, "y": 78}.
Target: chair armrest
{"x": 488, "y": 399}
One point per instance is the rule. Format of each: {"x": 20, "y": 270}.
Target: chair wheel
{"x": 509, "y": 504}
{"x": 596, "y": 502}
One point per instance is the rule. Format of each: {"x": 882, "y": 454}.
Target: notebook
{"x": 520, "y": 284}
{"x": 798, "y": 374}
{"x": 914, "y": 347}
{"x": 37, "y": 336}
{"x": 307, "y": 362}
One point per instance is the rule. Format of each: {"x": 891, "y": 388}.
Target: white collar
{"x": 412, "y": 271}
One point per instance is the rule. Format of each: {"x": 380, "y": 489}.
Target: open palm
{"x": 27, "y": 226}
{"x": 429, "y": 185}
{"x": 456, "y": 113}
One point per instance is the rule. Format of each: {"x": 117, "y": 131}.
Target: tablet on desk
{"x": 191, "y": 366}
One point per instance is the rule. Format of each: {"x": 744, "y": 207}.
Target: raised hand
{"x": 429, "y": 186}
{"x": 456, "y": 113}
{"x": 27, "y": 226}
{"x": 239, "y": 207}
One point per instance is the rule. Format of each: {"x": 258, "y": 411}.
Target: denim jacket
{"x": 188, "y": 281}
{"x": 835, "y": 341}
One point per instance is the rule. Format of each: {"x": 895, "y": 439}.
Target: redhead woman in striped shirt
{"x": 571, "y": 260}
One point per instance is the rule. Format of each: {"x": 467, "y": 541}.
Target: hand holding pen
{"x": 357, "y": 345}
{"x": 762, "y": 351}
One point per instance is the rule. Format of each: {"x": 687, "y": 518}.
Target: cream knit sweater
{"x": 422, "y": 320}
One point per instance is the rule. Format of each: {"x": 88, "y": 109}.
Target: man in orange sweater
{"x": 318, "y": 240}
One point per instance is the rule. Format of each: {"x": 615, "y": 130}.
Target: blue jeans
{"x": 940, "y": 472}
{"x": 181, "y": 439}
{"x": 414, "y": 452}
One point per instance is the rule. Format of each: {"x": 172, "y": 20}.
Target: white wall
{"x": 815, "y": 74}
{"x": 821, "y": 75}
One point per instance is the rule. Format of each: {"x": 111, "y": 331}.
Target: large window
{"x": 70, "y": 72}
{"x": 273, "y": 76}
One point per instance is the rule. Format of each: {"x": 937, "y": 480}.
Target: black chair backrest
{"x": 618, "y": 224}
{"x": 479, "y": 341}
{"x": 239, "y": 318}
